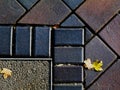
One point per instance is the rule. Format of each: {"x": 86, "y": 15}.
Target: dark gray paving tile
{"x": 96, "y": 13}
{"x": 111, "y": 34}
{"x": 68, "y": 87}
{"x": 10, "y": 11}
{"x": 68, "y": 36}
{"x": 26, "y": 75}
{"x": 73, "y": 20}
{"x": 42, "y": 42}
{"x": 22, "y": 46}
{"x": 5, "y": 40}
{"x": 110, "y": 80}
{"x": 88, "y": 35}
{"x": 68, "y": 55}
{"x": 73, "y": 3}
{"x": 49, "y": 12}
{"x": 68, "y": 74}
{"x": 28, "y": 3}
{"x": 96, "y": 49}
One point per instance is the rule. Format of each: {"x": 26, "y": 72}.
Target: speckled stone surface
{"x": 27, "y": 75}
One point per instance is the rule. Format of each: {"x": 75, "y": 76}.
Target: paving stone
{"x": 26, "y": 75}
{"x": 88, "y": 34}
{"x": 10, "y": 11}
{"x": 97, "y": 12}
{"x": 110, "y": 80}
{"x": 42, "y": 43}
{"x": 28, "y": 3}
{"x": 46, "y": 12}
{"x": 68, "y": 55}
{"x": 73, "y": 20}
{"x": 5, "y": 39}
{"x": 96, "y": 49}
{"x": 68, "y": 74}
{"x": 68, "y": 36}
{"x": 73, "y": 3}
{"x": 111, "y": 34}
{"x": 68, "y": 87}
{"x": 22, "y": 46}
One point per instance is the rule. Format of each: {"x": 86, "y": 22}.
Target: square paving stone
{"x": 22, "y": 46}
{"x": 68, "y": 55}
{"x": 10, "y": 11}
{"x": 97, "y": 12}
{"x": 5, "y": 40}
{"x": 69, "y": 36}
{"x": 110, "y": 80}
{"x": 28, "y": 3}
{"x": 42, "y": 41}
{"x": 94, "y": 50}
{"x": 26, "y": 75}
{"x": 48, "y": 12}
{"x": 68, "y": 87}
{"x": 111, "y": 34}
{"x": 68, "y": 74}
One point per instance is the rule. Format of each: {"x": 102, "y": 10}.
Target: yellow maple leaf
{"x": 6, "y": 73}
{"x": 97, "y": 65}
{"x": 88, "y": 64}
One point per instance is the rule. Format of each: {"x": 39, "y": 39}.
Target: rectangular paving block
{"x": 26, "y": 75}
{"x": 68, "y": 87}
{"x": 69, "y": 36}
{"x": 22, "y": 46}
{"x": 5, "y": 40}
{"x": 42, "y": 41}
{"x": 68, "y": 55}
{"x": 68, "y": 74}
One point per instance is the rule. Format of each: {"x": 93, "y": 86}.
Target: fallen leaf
{"x": 88, "y": 64}
{"x": 97, "y": 65}
{"x": 6, "y": 73}
{"x": 55, "y": 26}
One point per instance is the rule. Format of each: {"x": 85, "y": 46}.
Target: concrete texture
{"x": 27, "y": 75}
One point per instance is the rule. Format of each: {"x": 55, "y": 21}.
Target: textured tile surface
{"x": 46, "y": 12}
{"x": 73, "y": 3}
{"x": 10, "y": 11}
{"x": 68, "y": 74}
{"x": 97, "y": 12}
{"x": 111, "y": 34}
{"x": 110, "y": 80}
{"x": 68, "y": 55}
{"x": 68, "y": 87}
{"x": 5, "y": 34}
{"x": 27, "y": 75}
{"x": 28, "y": 3}
{"x": 73, "y": 20}
{"x": 68, "y": 36}
{"x": 41, "y": 41}
{"x": 96, "y": 49}
{"x": 22, "y": 41}
{"x": 88, "y": 35}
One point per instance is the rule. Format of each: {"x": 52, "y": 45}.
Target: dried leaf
{"x": 97, "y": 65}
{"x": 6, "y": 73}
{"x": 88, "y": 64}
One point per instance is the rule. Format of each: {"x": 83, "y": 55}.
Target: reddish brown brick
{"x": 97, "y": 12}
{"x": 46, "y": 12}
{"x": 96, "y": 49}
{"x": 110, "y": 80}
{"x": 10, "y": 11}
{"x": 111, "y": 34}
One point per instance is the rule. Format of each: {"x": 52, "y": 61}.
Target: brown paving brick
{"x": 97, "y": 12}
{"x": 46, "y": 12}
{"x": 10, "y": 11}
{"x": 111, "y": 34}
{"x": 110, "y": 80}
{"x": 96, "y": 49}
